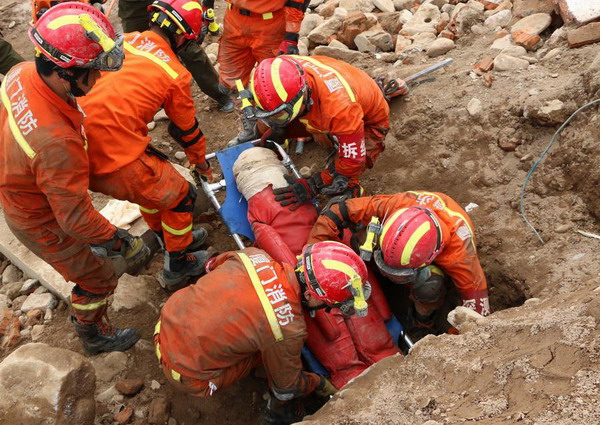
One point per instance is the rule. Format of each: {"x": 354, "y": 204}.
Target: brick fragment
{"x": 586, "y": 34}
{"x": 488, "y": 80}
{"x": 529, "y": 41}
{"x": 500, "y": 34}
{"x": 485, "y": 65}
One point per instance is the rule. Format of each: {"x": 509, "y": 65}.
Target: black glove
{"x": 338, "y": 186}
{"x": 297, "y": 193}
{"x": 283, "y": 412}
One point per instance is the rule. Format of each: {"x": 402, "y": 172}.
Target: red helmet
{"x": 178, "y": 16}
{"x": 278, "y": 86}
{"x": 411, "y": 238}
{"x": 77, "y": 34}
{"x": 39, "y": 7}
{"x": 335, "y": 274}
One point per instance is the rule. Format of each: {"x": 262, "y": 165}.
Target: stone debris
{"x": 500, "y": 19}
{"x": 109, "y": 365}
{"x": 47, "y": 386}
{"x": 29, "y": 286}
{"x": 579, "y": 11}
{"x": 155, "y": 385}
{"x": 504, "y": 62}
{"x": 474, "y": 107}
{"x": 124, "y": 416}
{"x": 440, "y": 47}
{"x": 161, "y": 115}
{"x": 11, "y": 274}
{"x": 587, "y": 34}
{"x": 130, "y": 386}
{"x": 159, "y": 411}
{"x": 11, "y": 290}
{"x": 39, "y": 302}
{"x": 36, "y": 332}
{"x": 133, "y": 291}
{"x": 151, "y": 125}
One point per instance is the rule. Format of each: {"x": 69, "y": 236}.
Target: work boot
{"x": 249, "y": 131}
{"x": 283, "y": 412}
{"x": 198, "y": 239}
{"x": 181, "y": 266}
{"x": 227, "y": 107}
{"x": 102, "y": 337}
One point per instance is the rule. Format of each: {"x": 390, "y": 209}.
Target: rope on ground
{"x": 540, "y": 159}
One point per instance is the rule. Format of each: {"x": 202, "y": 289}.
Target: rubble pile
{"x": 393, "y": 30}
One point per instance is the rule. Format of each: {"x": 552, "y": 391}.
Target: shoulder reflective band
{"x": 172, "y": 73}
{"x": 14, "y": 128}
{"x": 262, "y": 296}
{"x": 337, "y": 74}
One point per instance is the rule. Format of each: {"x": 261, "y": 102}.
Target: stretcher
{"x": 234, "y": 210}
{"x": 234, "y": 213}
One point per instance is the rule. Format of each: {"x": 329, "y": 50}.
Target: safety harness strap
{"x": 262, "y": 296}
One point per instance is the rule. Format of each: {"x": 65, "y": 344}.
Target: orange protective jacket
{"x": 220, "y": 321}
{"x": 458, "y": 258}
{"x": 43, "y": 163}
{"x": 345, "y": 101}
{"x": 122, "y": 103}
{"x": 293, "y": 10}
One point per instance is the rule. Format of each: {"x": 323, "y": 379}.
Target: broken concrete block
{"x": 39, "y": 302}
{"x": 581, "y": 36}
{"x": 500, "y": 19}
{"x": 463, "y": 315}
{"x": 404, "y": 16}
{"x": 524, "y": 8}
{"x": 425, "y": 19}
{"x": 439, "y": 47}
{"x": 346, "y": 55}
{"x": 309, "y": 23}
{"x": 379, "y": 38}
{"x": 133, "y": 291}
{"x": 423, "y": 39}
{"x": 361, "y": 5}
{"x": 504, "y": 62}
{"x": 338, "y": 44}
{"x": 327, "y": 9}
{"x": 502, "y": 43}
{"x": 547, "y": 112}
{"x": 321, "y": 34}
{"x": 403, "y": 4}
{"x": 340, "y": 13}
{"x": 390, "y": 22}
{"x": 47, "y": 386}
{"x": 579, "y": 11}
{"x": 402, "y": 43}
{"x": 107, "y": 366}
{"x": 533, "y": 24}
{"x": 384, "y": 5}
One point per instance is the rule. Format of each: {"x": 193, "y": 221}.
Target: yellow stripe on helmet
{"x": 340, "y": 267}
{"x": 413, "y": 241}
{"x": 61, "y": 21}
{"x": 191, "y": 5}
{"x": 276, "y": 79}
{"x": 388, "y": 223}
{"x": 252, "y": 90}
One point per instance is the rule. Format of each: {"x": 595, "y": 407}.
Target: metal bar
{"x": 238, "y": 241}
{"x": 429, "y": 70}
{"x": 407, "y": 339}
{"x": 299, "y": 147}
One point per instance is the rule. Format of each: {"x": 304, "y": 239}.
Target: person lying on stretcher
{"x": 345, "y": 345}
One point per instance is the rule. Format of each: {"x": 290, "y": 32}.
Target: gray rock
{"x": 405, "y": 16}
{"x": 423, "y": 39}
{"x": 516, "y": 51}
{"x": 110, "y": 365}
{"x": 36, "y": 332}
{"x": 425, "y": 19}
{"x": 11, "y": 290}
{"x": 39, "y": 302}
{"x": 439, "y": 47}
{"x": 338, "y": 44}
{"x": 533, "y": 24}
{"x": 133, "y": 291}
{"x": 152, "y": 125}
{"x": 29, "y": 286}
{"x": 384, "y": 5}
{"x": 547, "y": 112}
{"x": 47, "y": 386}
{"x": 11, "y": 274}
{"x": 106, "y": 394}
{"x": 4, "y": 302}
{"x": 374, "y": 40}
{"x": 180, "y": 155}
{"x": 321, "y": 34}
{"x": 504, "y": 62}
{"x": 18, "y": 302}
{"x": 474, "y": 107}
{"x": 160, "y": 116}
{"x": 503, "y": 43}
{"x": 309, "y": 23}
{"x": 363, "y": 44}
{"x": 362, "y": 5}
{"x": 340, "y": 13}
{"x": 40, "y": 290}
{"x": 500, "y": 19}
{"x": 403, "y": 4}
{"x": 346, "y": 55}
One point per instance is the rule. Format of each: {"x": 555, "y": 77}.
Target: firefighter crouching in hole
{"x": 123, "y": 164}
{"x": 414, "y": 238}
{"x": 335, "y": 103}
{"x": 44, "y": 166}
{"x": 344, "y": 345}
{"x": 247, "y": 311}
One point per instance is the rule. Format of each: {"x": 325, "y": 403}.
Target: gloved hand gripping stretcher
{"x": 340, "y": 347}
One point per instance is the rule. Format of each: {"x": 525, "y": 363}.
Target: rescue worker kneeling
{"x": 247, "y": 311}
{"x": 123, "y": 164}
{"x": 414, "y": 239}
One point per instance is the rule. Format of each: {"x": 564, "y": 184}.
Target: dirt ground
{"x": 534, "y": 364}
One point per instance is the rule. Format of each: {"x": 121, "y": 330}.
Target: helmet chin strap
{"x": 74, "y": 90}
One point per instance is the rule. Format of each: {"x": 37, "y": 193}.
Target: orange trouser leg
{"x": 160, "y": 190}
{"x": 202, "y": 388}
{"x": 247, "y": 40}
{"x": 374, "y": 141}
{"x": 94, "y": 277}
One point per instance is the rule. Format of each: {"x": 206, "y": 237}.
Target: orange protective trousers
{"x": 157, "y": 188}
{"x": 247, "y": 40}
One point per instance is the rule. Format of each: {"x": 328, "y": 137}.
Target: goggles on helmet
{"x": 110, "y": 59}
{"x": 284, "y": 113}
{"x": 401, "y": 276}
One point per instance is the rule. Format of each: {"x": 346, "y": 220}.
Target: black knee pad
{"x": 187, "y": 204}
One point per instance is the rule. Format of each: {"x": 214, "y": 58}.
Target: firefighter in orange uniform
{"x": 254, "y": 31}
{"x": 417, "y": 237}
{"x": 44, "y": 166}
{"x": 337, "y": 104}
{"x": 248, "y": 310}
{"x": 122, "y": 162}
